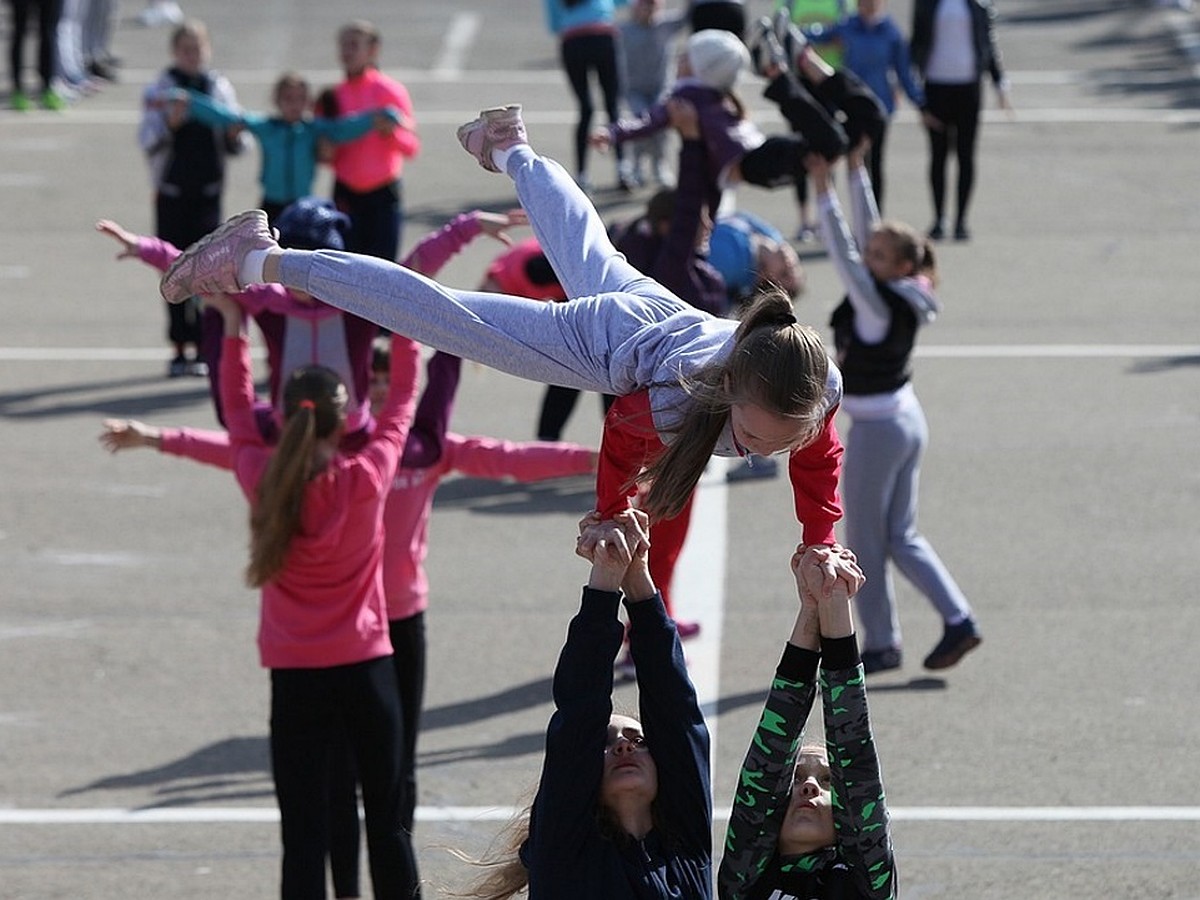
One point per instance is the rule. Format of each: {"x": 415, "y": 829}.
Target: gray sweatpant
{"x": 620, "y": 332}
{"x": 880, "y": 475}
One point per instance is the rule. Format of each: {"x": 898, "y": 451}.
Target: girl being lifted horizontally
{"x": 688, "y": 384}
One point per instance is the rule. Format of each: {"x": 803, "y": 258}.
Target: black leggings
{"x": 408, "y": 659}
{"x": 727, "y": 16}
{"x": 557, "y": 405}
{"x": 182, "y": 221}
{"x": 956, "y": 106}
{"x": 582, "y": 54}
{"x": 311, "y": 709}
{"x": 49, "y": 12}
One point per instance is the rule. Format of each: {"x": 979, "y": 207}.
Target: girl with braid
{"x": 689, "y": 384}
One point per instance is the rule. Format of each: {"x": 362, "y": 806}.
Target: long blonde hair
{"x": 776, "y": 363}
{"x": 314, "y": 407}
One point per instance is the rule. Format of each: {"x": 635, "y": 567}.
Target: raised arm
{"x": 764, "y": 785}
{"x": 859, "y": 806}
{"x": 872, "y": 315}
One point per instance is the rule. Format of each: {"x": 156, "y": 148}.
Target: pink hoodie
{"x": 326, "y": 607}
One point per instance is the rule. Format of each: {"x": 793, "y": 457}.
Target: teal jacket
{"x": 289, "y": 149}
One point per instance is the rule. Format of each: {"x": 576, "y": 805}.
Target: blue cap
{"x": 312, "y": 223}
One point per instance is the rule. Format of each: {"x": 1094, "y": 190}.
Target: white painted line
{"x": 965, "y": 351}
{"x": 698, "y": 590}
{"x": 91, "y": 354}
{"x": 459, "y": 38}
{"x": 499, "y": 93}
{"x": 270, "y": 814}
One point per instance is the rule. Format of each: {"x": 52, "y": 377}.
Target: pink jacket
{"x": 327, "y": 606}
{"x": 410, "y": 500}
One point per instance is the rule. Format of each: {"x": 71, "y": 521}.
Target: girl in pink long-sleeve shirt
{"x": 317, "y": 555}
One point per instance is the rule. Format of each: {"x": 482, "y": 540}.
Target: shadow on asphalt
{"x": 575, "y": 495}
{"x": 233, "y": 769}
{"x": 135, "y": 398}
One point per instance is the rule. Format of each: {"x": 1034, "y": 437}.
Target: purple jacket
{"x": 726, "y": 136}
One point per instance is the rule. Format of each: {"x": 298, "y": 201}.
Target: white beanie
{"x": 716, "y": 57}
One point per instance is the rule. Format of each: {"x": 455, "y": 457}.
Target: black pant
{"x": 557, "y": 405}
{"x": 376, "y": 218}
{"x": 956, "y": 106}
{"x": 183, "y": 220}
{"x": 310, "y": 708}
{"x": 408, "y": 659}
{"x": 582, "y": 54}
{"x": 718, "y": 14}
{"x": 49, "y": 12}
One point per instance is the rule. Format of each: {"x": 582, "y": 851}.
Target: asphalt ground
{"x": 1060, "y": 487}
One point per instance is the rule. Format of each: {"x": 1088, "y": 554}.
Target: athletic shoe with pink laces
{"x": 498, "y": 128}
{"x": 210, "y": 266}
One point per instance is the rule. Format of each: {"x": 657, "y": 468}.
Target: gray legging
{"x": 621, "y": 331}
{"x": 880, "y": 474}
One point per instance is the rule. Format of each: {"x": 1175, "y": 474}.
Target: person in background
{"x": 889, "y": 273}
{"x": 953, "y": 45}
{"x": 48, "y": 15}
{"x": 187, "y": 168}
{"x": 587, "y": 41}
{"x": 368, "y": 172}
{"x": 289, "y": 139}
{"x": 877, "y": 52}
{"x": 645, "y": 57}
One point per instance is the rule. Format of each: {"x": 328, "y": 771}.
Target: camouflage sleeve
{"x": 860, "y": 813}
{"x": 765, "y": 782}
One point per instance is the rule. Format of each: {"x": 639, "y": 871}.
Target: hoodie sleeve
{"x": 628, "y": 443}
{"x": 814, "y": 471}
{"x": 764, "y": 784}
{"x": 203, "y": 446}
{"x": 871, "y": 314}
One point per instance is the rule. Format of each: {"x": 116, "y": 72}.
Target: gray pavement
{"x": 1060, "y": 487}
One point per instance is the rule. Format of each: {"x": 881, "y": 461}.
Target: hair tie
{"x": 306, "y": 404}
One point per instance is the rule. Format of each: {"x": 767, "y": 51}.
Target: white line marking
{"x": 965, "y": 351}
{"x": 268, "y": 814}
{"x": 533, "y": 116}
{"x": 698, "y": 590}
{"x": 459, "y": 38}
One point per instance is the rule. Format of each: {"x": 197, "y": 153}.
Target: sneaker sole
{"x": 193, "y": 251}
{"x": 952, "y": 659}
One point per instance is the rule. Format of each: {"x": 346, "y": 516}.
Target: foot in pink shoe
{"x": 498, "y": 128}
{"x": 210, "y": 266}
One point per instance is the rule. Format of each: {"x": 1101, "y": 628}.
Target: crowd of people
{"x": 683, "y": 320}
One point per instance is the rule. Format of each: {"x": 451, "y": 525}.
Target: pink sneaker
{"x": 498, "y": 128}
{"x": 210, "y": 266}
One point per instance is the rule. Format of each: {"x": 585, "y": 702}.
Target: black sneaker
{"x": 937, "y": 231}
{"x": 962, "y": 232}
{"x": 957, "y": 641}
{"x": 882, "y": 660}
{"x": 753, "y": 467}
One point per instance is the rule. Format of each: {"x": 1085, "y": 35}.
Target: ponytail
{"x": 775, "y": 363}
{"x": 314, "y": 402}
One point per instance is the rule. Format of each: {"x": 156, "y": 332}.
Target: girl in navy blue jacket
{"x": 624, "y": 807}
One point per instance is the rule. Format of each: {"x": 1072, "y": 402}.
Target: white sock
{"x": 251, "y": 270}
{"x": 500, "y": 157}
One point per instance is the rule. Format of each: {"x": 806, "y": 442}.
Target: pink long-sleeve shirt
{"x": 410, "y": 500}
{"x": 375, "y": 159}
{"x": 326, "y": 607}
